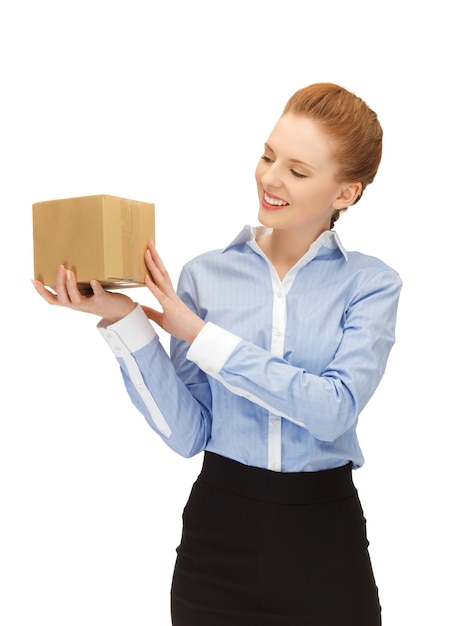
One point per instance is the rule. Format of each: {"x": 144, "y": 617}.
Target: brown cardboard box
{"x": 98, "y": 237}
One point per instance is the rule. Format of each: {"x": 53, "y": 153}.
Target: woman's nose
{"x": 271, "y": 177}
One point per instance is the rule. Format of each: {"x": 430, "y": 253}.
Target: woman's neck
{"x": 284, "y": 248}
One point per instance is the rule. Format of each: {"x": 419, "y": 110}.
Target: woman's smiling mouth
{"x": 272, "y": 202}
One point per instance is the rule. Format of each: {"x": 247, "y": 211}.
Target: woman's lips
{"x": 272, "y": 202}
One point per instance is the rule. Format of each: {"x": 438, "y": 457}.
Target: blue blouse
{"x": 280, "y": 373}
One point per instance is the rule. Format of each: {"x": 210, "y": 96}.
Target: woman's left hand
{"x": 175, "y": 318}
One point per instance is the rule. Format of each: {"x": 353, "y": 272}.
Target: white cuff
{"x": 135, "y": 331}
{"x": 212, "y": 347}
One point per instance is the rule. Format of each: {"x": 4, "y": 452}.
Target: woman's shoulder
{"x": 367, "y": 261}
{"x": 221, "y": 256}
{"x": 204, "y": 258}
{"x": 367, "y": 269}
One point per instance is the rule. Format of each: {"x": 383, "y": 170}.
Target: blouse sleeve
{"x": 327, "y": 405}
{"x": 179, "y": 413}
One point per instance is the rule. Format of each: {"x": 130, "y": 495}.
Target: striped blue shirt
{"x": 278, "y": 376}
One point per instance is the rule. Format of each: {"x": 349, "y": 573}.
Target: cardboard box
{"x": 98, "y": 237}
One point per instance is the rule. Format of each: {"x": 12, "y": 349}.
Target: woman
{"x": 278, "y": 342}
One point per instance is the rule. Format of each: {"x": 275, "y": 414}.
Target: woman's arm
{"x": 328, "y": 404}
{"x": 179, "y": 413}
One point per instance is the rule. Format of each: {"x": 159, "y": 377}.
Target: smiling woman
{"x": 279, "y": 340}
{"x": 299, "y": 188}
{"x": 323, "y": 152}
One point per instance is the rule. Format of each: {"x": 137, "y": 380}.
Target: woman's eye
{"x": 298, "y": 174}
{"x": 266, "y": 159}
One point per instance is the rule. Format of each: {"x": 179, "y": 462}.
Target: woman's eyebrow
{"x": 301, "y": 163}
{"x": 298, "y": 161}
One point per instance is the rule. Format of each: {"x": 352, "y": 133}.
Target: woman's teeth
{"x": 274, "y": 201}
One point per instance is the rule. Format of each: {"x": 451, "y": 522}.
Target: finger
{"x": 159, "y": 273}
{"x": 48, "y": 296}
{"x": 155, "y": 272}
{"x": 154, "y": 288}
{"x": 61, "y": 287}
{"x": 158, "y": 261}
{"x": 74, "y": 294}
{"x": 97, "y": 288}
{"x": 153, "y": 315}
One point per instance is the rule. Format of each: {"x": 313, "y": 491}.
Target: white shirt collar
{"x": 328, "y": 238}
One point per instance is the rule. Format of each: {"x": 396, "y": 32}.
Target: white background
{"x": 171, "y": 103}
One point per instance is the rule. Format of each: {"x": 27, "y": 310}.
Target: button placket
{"x": 274, "y": 443}
{"x": 277, "y": 348}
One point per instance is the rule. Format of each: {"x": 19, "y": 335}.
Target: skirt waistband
{"x": 277, "y": 487}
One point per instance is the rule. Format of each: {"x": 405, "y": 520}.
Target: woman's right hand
{"x": 112, "y": 306}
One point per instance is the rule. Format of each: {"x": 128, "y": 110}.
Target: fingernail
{"x": 68, "y": 274}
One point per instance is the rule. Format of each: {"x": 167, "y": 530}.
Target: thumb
{"x": 153, "y": 315}
{"x": 97, "y": 288}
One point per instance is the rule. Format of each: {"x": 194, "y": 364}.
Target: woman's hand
{"x": 176, "y": 318}
{"x": 112, "y": 306}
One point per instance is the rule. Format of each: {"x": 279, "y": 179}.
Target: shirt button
{"x": 275, "y": 420}
{"x": 279, "y": 294}
{"x": 277, "y": 332}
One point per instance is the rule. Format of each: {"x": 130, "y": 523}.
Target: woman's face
{"x": 296, "y": 178}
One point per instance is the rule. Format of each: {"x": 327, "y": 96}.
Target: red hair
{"x": 350, "y": 123}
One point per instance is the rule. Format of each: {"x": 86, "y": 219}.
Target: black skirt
{"x": 263, "y": 548}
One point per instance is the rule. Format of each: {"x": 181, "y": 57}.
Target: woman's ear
{"x": 348, "y": 195}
